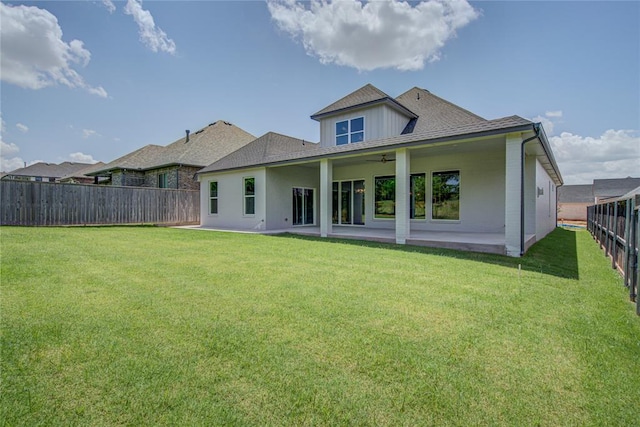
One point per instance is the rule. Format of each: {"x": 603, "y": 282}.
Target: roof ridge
{"x": 439, "y": 99}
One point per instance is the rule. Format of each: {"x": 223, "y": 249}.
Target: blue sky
{"x": 94, "y": 80}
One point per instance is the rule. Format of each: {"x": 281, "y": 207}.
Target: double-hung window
{"x": 213, "y": 197}
{"x": 249, "y": 196}
{"x": 350, "y": 131}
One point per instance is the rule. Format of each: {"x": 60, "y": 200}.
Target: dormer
{"x": 364, "y": 115}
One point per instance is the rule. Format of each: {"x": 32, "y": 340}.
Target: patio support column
{"x": 512, "y": 194}
{"x": 326, "y": 180}
{"x": 403, "y": 223}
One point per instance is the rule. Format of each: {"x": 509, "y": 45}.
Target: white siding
{"x": 379, "y": 122}
{"x": 280, "y": 184}
{"x": 545, "y": 203}
{"x": 231, "y": 200}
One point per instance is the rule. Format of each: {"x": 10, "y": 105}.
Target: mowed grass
{"x": 158, "y": 326}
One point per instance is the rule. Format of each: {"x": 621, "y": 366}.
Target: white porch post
{"x": 512, "y": 194}
{"x": 326, "y": 179}
{"x": 403, "y": 222}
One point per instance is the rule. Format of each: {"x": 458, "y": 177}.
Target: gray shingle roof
{"x": 608, "y": 188}
{"x": 268, "y": 146}
{"x": 254, "y": 155}
{"x": 50, "y": 170}
{"x": 83, "y": 173}
{"x": 365, "y": 96}
{"x": 205, "y": 146}
{"x": 434, "y": 112}
{"x": 576, "y": 193}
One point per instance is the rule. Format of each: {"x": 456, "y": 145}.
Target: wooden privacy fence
{"x": 43, "y": 203}
{"x": 614, "y": 224}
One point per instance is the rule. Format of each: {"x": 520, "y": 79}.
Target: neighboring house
{"x": 81, "y": 177}
{"x": 175, "y": 165}
{"x": 604, "y": 189}
{"x": 46, "y": 172}
{"x": 415, "y": 169}
{"x": 574, "y": 199}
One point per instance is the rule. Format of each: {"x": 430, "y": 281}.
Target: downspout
{"x": 536, "y": 128}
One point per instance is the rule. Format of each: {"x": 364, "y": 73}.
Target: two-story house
{"x": 415, "y": 169}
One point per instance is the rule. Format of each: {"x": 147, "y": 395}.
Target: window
{"x": 348, "y": 202}
{"x": 350, "y": 131}
{"x": 385, "y": 197}
{"x": 445, "y": 202}
{"x": 418, "y": 188}
{"x": 162, "y": 180}
{"x": 249, "y": 196}
{"x": 213, "y": 197}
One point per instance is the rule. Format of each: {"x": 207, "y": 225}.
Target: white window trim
{"x": 446, "y": 221}
{"x": 244, "y": 197}
{"x": 211, "y": 198}
{"x": 349, "y": 131}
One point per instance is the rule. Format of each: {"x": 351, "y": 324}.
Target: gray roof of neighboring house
{"x": 365, "y": 96}
{"x": 82, "y": 173}
{"x": 205, "y": 146}
{"x": 50, "y": 170}
{"x": 252, "y": 155}
{"x": 616, "y": 187}
{"x": 576, "y": 194}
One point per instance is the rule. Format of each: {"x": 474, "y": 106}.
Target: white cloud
{"x": 111, "y": 7}
{"x": 376, "y": 34}
{"x": 22, "y": 128}
{"x": 34, "y": 55}
{"x": 615, "y": 154}
{"x": 151, "y": 36}
{"x": 82, "y": 158}
{"x": 8, "y": 164}
{"x": 556, "y": 114}
{"x": 86, "y": 133}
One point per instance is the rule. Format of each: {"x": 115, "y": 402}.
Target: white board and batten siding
{"x": 379, "y": 122}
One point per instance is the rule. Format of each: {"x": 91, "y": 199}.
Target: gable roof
{"x": 202, "y": 147}
{"x": 582, "y": 193}
{"x": 434, "y": 112}
{"x": 82, "y": 173}
{"x": 366, "y": 96}
{"x": 616, "y": 187}
{"x": 50, "y": 170}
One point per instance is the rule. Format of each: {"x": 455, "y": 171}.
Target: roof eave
{"x": 356, "y": 150}
{"x": 388, "y": 101}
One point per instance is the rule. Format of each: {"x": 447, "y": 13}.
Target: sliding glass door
{"x": 348, "y": 202}
{"x": 303, "y": 202}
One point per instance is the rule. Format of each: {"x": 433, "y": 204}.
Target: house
{"x": 81, "y": 177}
{"x": 415, "y": 169}
{"x": 175, "y": 165}
{"x": 574, "y": 199}
{"x": 46, "y": 172}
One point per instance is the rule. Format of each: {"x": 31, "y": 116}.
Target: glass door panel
{"x": 345, "y": 202}
{"x": 358, "y": 202}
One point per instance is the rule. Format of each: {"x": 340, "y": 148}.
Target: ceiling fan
{"x": 383, "y": 159}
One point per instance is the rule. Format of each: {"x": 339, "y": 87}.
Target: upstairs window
{"x": 350, "y": 131}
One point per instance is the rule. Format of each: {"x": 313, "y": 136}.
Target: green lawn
{"x": 158, "y": 326}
